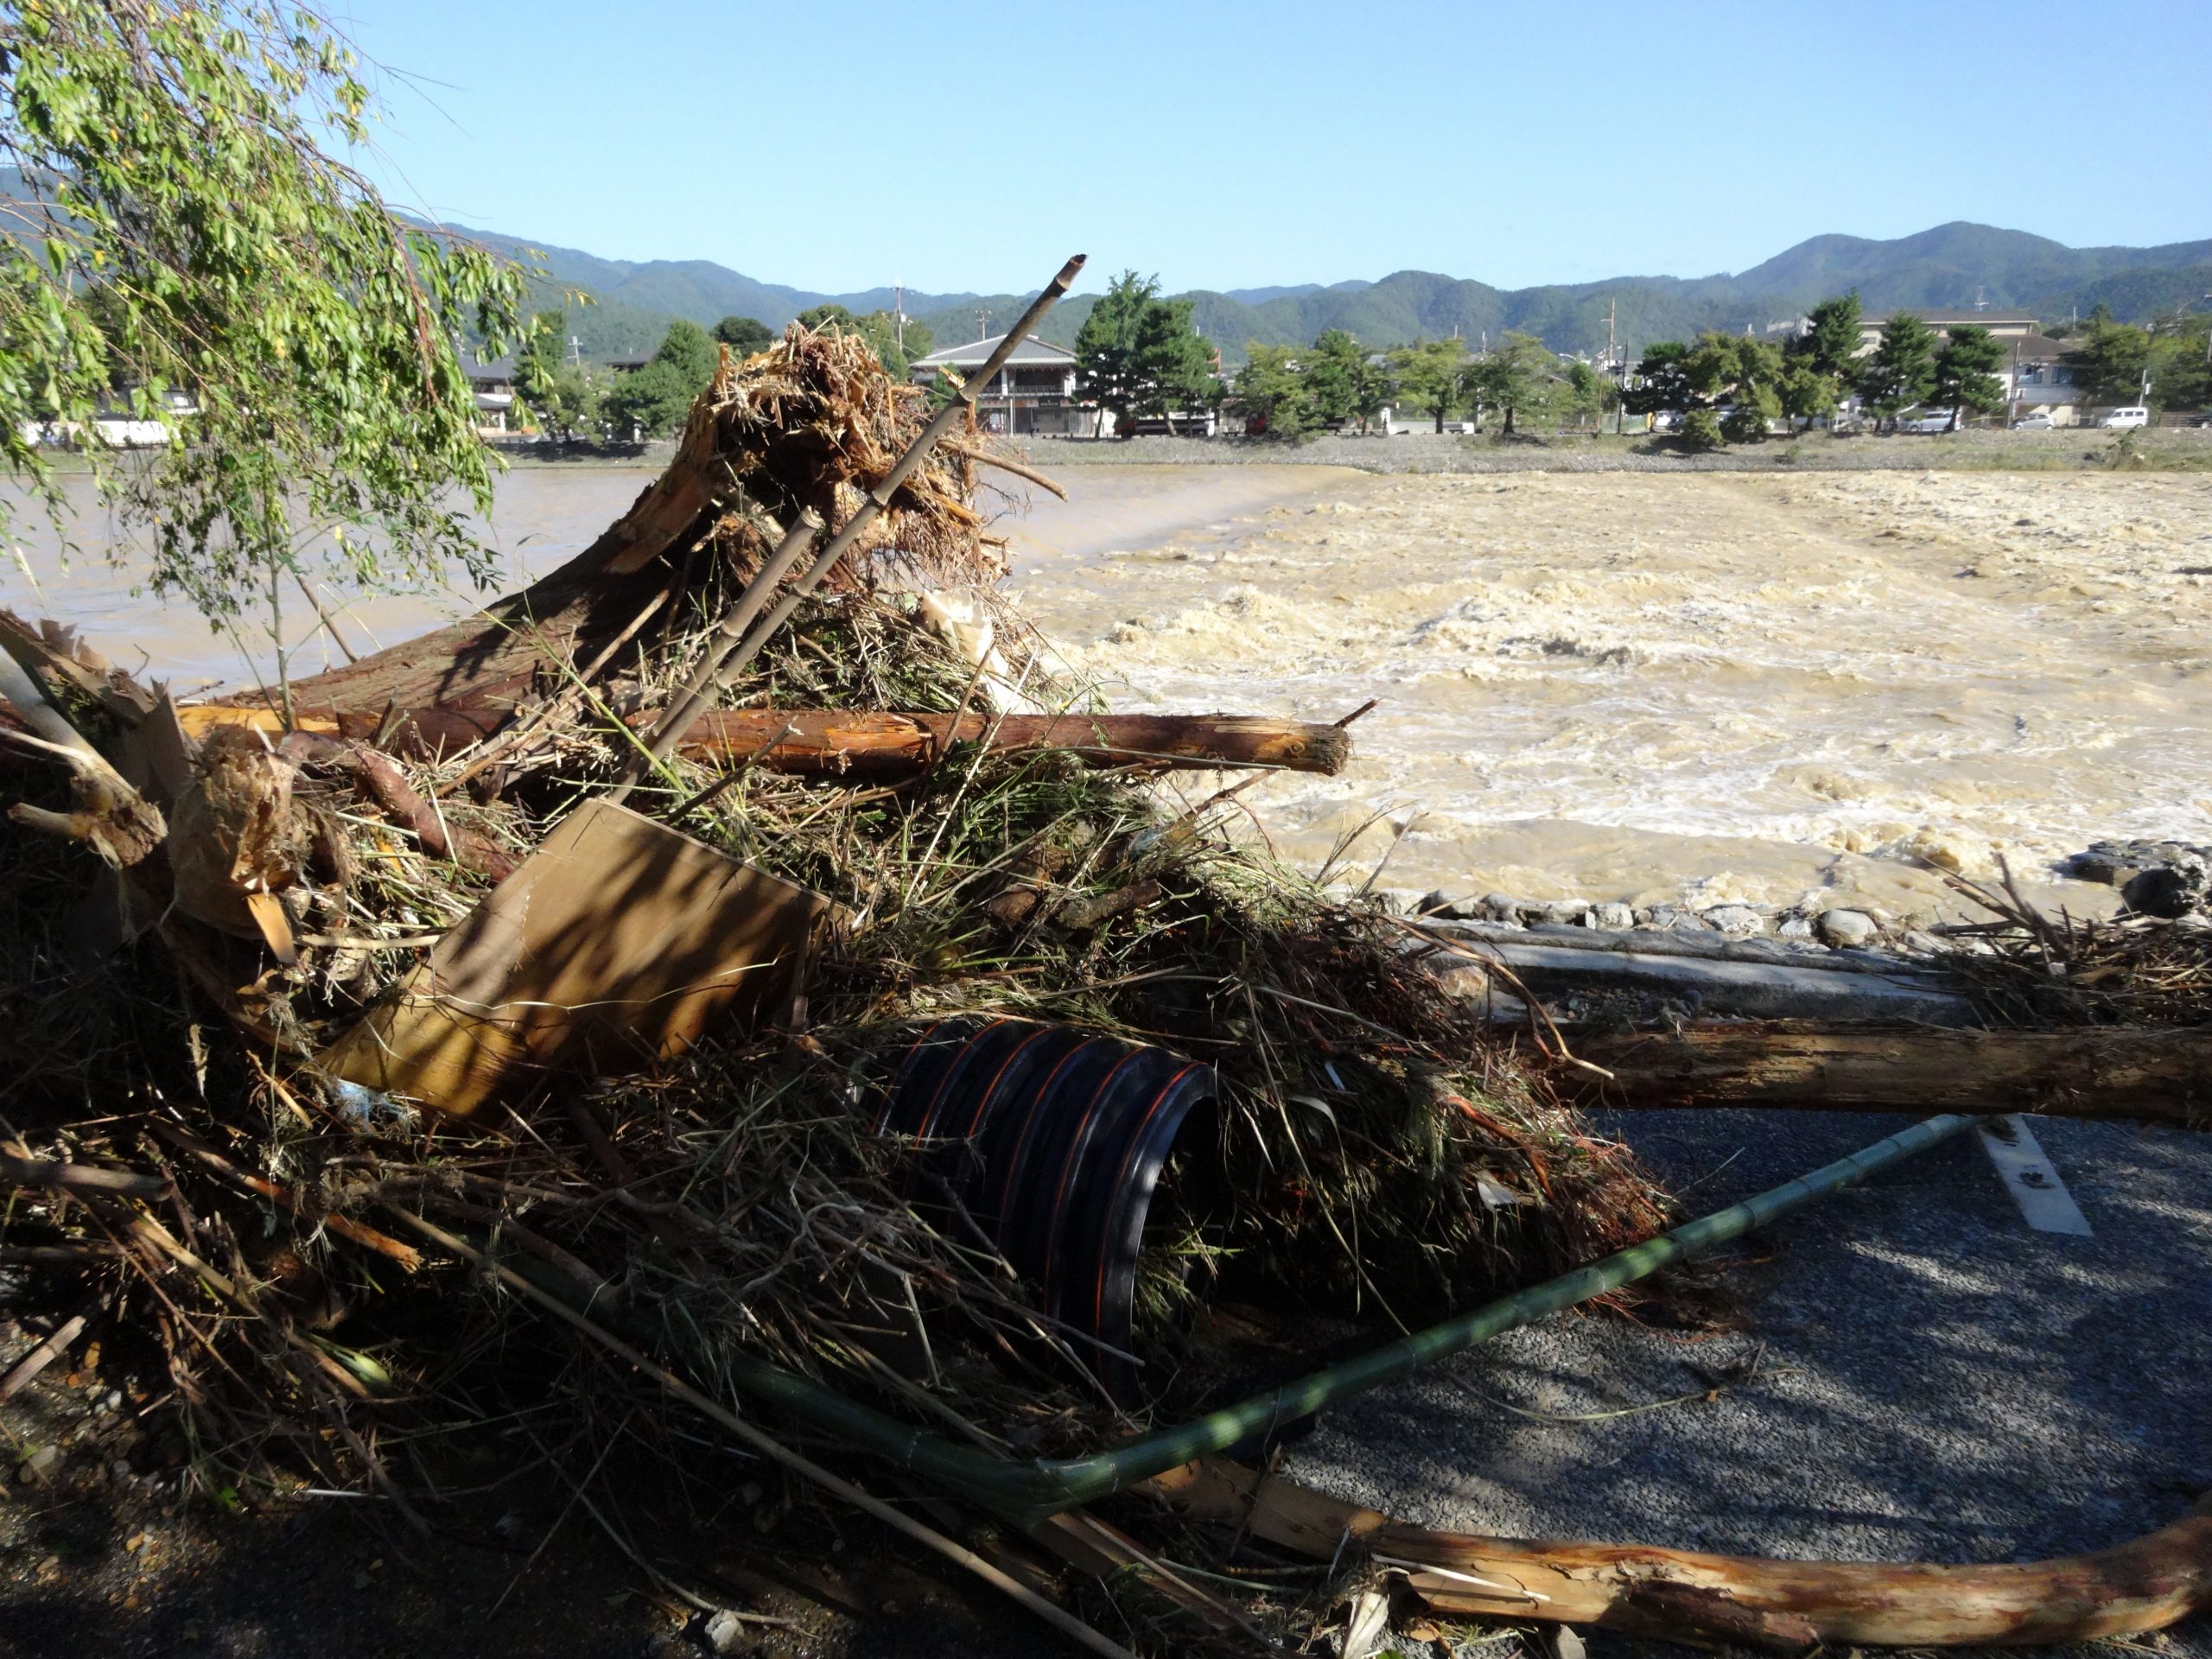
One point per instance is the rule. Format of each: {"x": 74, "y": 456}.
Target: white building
{"x": 1034, "y": 393}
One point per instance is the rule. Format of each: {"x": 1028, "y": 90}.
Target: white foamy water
{"x": 1646, "y": 686}
{"x": 1599, "y": 686}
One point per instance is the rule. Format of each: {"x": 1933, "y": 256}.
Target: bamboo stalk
{"x": 26, "y": 1371}
{"x": 729, "y": 630}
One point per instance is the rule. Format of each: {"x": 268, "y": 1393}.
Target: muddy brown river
{"x": 1610, "y": 685}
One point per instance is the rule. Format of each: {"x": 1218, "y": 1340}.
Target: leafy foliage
{"x": 1344, "y": 385}
{"x": 1726, "y": 387}
{"x": 2173, "y": 354}
{"x": 744, "y": 335}
{"x": 1829, "y": 345}
{"x": 1518, "y": 377}
{"x": 1432, "y": 376}
{"x": 180, "y": 239}
{"x": 1137, "y": 353}
{"x": 1276, "y": 392}
{"x": 653, "y": 401}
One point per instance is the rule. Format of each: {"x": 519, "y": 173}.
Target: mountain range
{"x": 1953, "y": 266}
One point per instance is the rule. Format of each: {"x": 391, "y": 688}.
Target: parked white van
{"x": 2134, "y": 415}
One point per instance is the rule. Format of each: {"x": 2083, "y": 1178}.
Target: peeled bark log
{"x": 871, "y": 744}
{"x": 2092, "y": 1071}
{"x": 2146, "y": 1584}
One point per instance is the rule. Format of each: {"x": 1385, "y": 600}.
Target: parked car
{"x": 2033, "y": 424}
{"x": 1938, "y": 422}
{"x": 2204, "y": 419}
{"x": 2122, "y": 419}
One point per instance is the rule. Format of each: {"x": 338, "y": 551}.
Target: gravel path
{"x": 1936, "y": 1382}
{"x": 2072, "y": 450}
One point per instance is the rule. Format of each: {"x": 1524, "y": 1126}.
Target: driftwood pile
{"x": 534, "y": 972}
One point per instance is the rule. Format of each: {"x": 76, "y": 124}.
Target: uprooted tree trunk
{"x": 496, "y": 658}
{"x": 2165, "y": 1076}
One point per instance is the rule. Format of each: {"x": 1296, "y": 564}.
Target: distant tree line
{"x": 1288, "y": 392}
{"x": 1139, "y": 357}
{"x": 2172, "y": 355}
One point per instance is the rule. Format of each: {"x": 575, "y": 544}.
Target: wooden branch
{"x": 985, "y": 458}
{"x": 397, "y": 796}
{"x": 278, "y": 1193}
{"x": 893, "y": 746}
{"x": 2097, "y": 1071}
{"x": 77, "y": 1178}
{"x": 27, "y": 1370}
{"x": 2146, "y": 1584}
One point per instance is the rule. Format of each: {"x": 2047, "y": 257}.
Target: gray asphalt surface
{"x": 1935, "y": 1381}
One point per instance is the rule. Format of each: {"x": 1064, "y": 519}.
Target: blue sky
{"x": 835, "y": 146}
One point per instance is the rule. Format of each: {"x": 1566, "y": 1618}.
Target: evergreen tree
{"x": 1345, "y": 387}
{"x": 1820, "y": 362}
{"x": 1831, "y": 341}
{"x": 654, "y": 401}
{"x": 2113, "y": 359}
{"x": 1901, "y": 374}
{"x": 1965, "y": 373}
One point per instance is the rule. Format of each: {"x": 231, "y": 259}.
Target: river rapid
{"x": 1643, "y": 687}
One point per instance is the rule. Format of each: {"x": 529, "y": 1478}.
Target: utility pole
{"x": 899, "y": 314}
{"x": 1615, "y": 369}
{"x": 983, "y": 324}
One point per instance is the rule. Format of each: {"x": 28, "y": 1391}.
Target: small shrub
{"x": 1700, "y": 429}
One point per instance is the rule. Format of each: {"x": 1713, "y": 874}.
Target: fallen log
{"x": 872, "y": 745}
{"x": 1811, "y": 988}
{"x": 2146, "y": 1584}
{"x": 2089, "y": 1071}
{"x": 818, "y": 742}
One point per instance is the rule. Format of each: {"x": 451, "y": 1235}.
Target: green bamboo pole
{"x": 1024, "y": 1494}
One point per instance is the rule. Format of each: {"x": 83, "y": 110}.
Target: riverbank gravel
{"x": 1934, "y": 1381}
